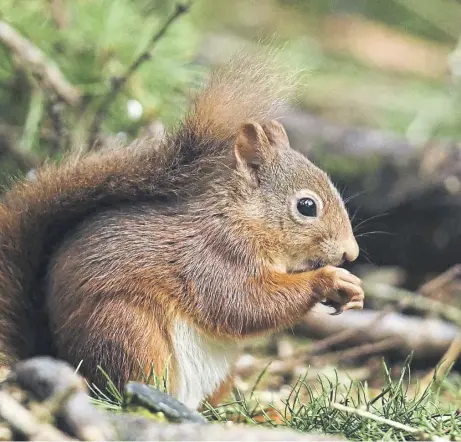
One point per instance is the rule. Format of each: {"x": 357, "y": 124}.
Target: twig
{"x": 440, "y": 281}
{"x": 428, "y": 339}
{"x": 33, "y": 118}
{"x": 24, "y": 422}
{"x": 60, "y": 135}
{"x": 381, "y": 420}
{"x": 346, "y": 334}
{"x": 389, "y": 293}
{"x": 118, "y": 82}
{"x": 34, "y": 61}
{"x": 446, "y": 362}
{"x": 334, "y": 339}
{"x": 360, "y": 350}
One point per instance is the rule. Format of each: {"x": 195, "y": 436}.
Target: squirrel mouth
{"x": 313, "y": 264}
{"x": 308, "y": 265}
{"x": 316, "y": 264}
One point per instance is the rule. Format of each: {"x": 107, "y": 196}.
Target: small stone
{"x": 285, "y": 349}
{"x": 245, "y": 365}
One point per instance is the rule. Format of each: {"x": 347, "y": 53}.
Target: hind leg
{"x": 124, "y": 340}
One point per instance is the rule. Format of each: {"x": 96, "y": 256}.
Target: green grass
{"x": 396, "y": 412}
{"x": 112, "y": 398}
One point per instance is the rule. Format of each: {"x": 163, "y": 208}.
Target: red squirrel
{"x": 172, "y": 254}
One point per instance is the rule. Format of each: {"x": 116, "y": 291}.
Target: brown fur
{"x": 222, "y": 393}
{"x": 101, "y": 254}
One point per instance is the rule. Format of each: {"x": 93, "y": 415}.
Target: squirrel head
{"x": 292, "y": 204}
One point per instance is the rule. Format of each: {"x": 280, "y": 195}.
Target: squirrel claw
{"x": 338, "y": 311}
{"x": 338, "y": 308}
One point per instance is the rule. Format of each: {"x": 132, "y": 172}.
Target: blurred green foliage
{"x": 96, "y": 40}
{"x": 343, "y": 87}
{"x": 99, "y": 40}
{"x": 400, "y": 14}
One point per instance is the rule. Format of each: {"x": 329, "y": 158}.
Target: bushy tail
{"x": 35, "y": 215}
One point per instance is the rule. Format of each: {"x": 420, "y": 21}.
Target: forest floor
{"x": 371, "y": 400}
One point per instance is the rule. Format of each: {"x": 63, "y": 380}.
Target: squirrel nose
{"x": 351, "y": 249}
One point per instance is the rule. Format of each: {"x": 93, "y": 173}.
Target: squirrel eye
{"x": 307, "y": 207}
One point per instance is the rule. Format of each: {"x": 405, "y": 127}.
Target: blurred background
{"x": 378, "y": 107}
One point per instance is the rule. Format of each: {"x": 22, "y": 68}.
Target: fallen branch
{"x": 44, "y": 399}
{"x": 118, "y": 82}
{"x": 34, "y": 61}
{"x": 359, "y": 351}
{"x": 427, "y": 338}
{"x": 388, "y": 293}
{"x": 344, "y": 335}
{"x": 434, "y": 286}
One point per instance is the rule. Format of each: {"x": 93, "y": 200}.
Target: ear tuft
{"x": 252, "y": 146}
{"x": 276, "y": 134}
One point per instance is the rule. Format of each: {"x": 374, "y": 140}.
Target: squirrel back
{"x": 36, "y": 215}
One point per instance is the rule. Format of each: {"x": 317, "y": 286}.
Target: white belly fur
{"x": 202, "y": 363}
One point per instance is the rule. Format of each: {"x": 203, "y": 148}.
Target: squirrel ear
{"x": 276, "y": 134}
{"x": 252, "y": 146}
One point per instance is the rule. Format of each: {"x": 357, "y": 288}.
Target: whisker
{"x": 366, "y": 255}
{"x": 350, "y": 198}
{"x": 355, "y": 214}
{"x": 382, "y": 232}
{"x": 379, "y": 215}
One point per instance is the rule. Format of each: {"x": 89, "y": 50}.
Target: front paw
{"x": 342, "y": 290}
